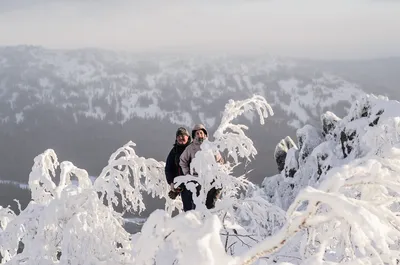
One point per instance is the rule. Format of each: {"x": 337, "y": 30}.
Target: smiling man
{"x": 172, "y": 167}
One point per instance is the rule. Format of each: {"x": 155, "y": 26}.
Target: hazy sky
{"x": 301, "y": 28}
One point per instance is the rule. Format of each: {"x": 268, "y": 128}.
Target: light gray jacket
{"x": 188, "y": 155}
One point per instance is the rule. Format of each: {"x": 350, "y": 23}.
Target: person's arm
{"x": 169, "y": 167}
{"x": 184, "y": 161}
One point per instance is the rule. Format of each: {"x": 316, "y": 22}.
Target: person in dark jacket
{"x": 173, "y": 169}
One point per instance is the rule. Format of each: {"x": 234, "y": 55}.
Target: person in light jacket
{"x": 199, "y": 134}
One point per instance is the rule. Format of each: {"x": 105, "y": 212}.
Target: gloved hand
{"x": 173, "y": 194}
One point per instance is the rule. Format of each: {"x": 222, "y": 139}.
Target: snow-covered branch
{"x": 127, "y": 176}
{"x": 350, "y": 214}
{"x": 230, "y": 136}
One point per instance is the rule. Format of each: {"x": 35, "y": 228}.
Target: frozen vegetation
{"x": 335, "y": 200}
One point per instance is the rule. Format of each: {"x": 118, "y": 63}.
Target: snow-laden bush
{"x": 64, "y": 223}
{"x": 127, "y": 176}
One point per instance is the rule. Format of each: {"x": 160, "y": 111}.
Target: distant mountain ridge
{"x": 86, "y": 103}
{"x": 117, "y": 87}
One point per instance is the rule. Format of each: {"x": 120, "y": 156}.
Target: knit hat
{"x": 182, "y": 131}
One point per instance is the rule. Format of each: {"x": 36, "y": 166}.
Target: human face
{"x": 200, "y": 135}
{"x": 182, "y": 139}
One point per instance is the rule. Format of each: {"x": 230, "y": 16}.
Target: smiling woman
{"x": 334, "y": 29}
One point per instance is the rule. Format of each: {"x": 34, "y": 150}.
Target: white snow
{"x": 151, "y": 81}
{"x": 15, "y": 183}
{"x": 135, "y": 220}
{"x": 19, "y": 117}
{"x": 349, "y": 215}
{"x": 250, "y": 116}
{"x": 45, "y": 82}
{"x": 219, "y": 81}
{"x": 193, "y": 106}
{"x": 67, "y": 105}
{"x": 323, "y": 93}
{"x": 5, "y": 119}
{"x": 196, "y": 89}
{"x": 206, "y": 79}
{"x": 238, "y": 81}
{"x": 183, "y": 118}
{"x": 95, "y": 112}
{"x": 13, "y": 99}
{"x": 341, "y": 206}
{"x": 246, "y": 79}
{"x": 294, "y": 123}
{"x": 210, "y": 122}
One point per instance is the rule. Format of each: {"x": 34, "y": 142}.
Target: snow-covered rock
{"x": 281, "y": 151}
{"x": 371, "y": 126}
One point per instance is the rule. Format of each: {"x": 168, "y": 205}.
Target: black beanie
{"x": 182, "y": 131}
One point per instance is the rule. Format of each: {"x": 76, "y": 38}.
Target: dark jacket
{"x": 172, "y": 168}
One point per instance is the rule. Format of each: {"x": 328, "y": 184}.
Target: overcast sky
{"x": 325, "y": 29}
